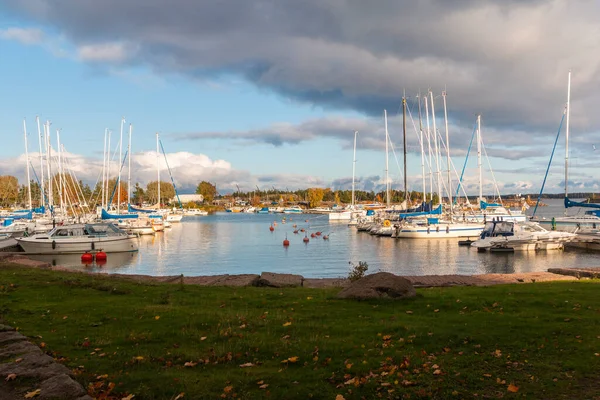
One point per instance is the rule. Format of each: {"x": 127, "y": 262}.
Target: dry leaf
{"x": 228, "y": 389}
{"x": 31, "y": 395}
{"x": 249, "y": 364}
{"x": 409, "y": 312}
{"x": 102, "y": 376}
{"x": 266, "y": 385}
{"x": 203, "y": 338}
{"x": 293, "y": 359}
{"x": 157, "y": 317}
{"x": 11, "y": 377}
{"x": 287, "y": 324}
{"x": 260, "y": 382}
{"x": 436, "y": 310}
{"x": 350, "y": 382}
{"x": 190, "y": 364}
{"x": 437, "y": 372}
{"x": 138, "y": 358}
{"x": 340, "y": 397}
{"x": 179, "y": 396}
{"x": 18, "y": 360}
{"x": 513, "y": 388}
{"x": 309, "y": 298}
{"x": 131, "y": 396}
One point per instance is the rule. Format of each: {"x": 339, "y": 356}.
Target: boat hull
{"x": 79, "y": 245}
{"x": 441, "y": 231}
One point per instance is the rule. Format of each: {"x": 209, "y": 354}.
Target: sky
{"x": 268, "y": 94}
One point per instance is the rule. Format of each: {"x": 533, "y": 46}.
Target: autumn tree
{"x": 207, "y": 190}
{"x": 112, "y": 191}
{"x": 9, "y": 190}
{"x": 167, "y": 192}
{"x": 138, "y": 194}
{"x": 315, "y": 197}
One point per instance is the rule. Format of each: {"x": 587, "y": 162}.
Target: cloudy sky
{"x": 269, "y": 93}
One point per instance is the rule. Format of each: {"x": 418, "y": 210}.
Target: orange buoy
{"x": 294, "y": 226}
{"x": 296, "y": 231}
{"x": 286, "y": 242}
{"x": 302, "y": 230}
{"x": 312, "y": 235}
{"x": 318, "y": 233}
{"x": 271, "y": 228}
{"x": 305, "y": 220}
{"x": 325, "y": 237}
{"x": 87, "y": 258}
{"x": 306, "y": 239}
{"x": 100, "y": 256}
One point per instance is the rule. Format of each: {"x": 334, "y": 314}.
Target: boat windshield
{"x": 497, "y": 228}
{"x": 532, "y": 228}
{"x": 103, "y": 229}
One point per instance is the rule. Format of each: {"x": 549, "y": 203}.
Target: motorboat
{"x": 194, "y": 212}
{"x": 433, "y": 228}
{"x": 528, "y": 236}
{"x": 293, "y": 210}
{"x": 80, "y": 238}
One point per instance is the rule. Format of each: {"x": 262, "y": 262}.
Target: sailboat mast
{"x": 120, "y": 158}
{"x": 49, "y": 163}
{"x": 448, "y": 152}
{"x": 158, "y": 170}
{"x": 404, "y": 145}
{"x": 422, "y": 149}
{"x": 354, "y": 166}
{"x": 437, "y": 150}
{"x": 387, "y": 181}
{"x": 129, "y": 166}
{"x": 60, "y": 177}
{"x": 108, "y": 155}
{"x": 567, "y": 139}
{"x": 42, "y": 202}
{"x": 479, "y": 158}
{"x": 104, "y": 170}
{"x": 27, "y": 161}
{"x": 429, "y": 148}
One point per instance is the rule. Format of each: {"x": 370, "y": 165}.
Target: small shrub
{"x": 358, "y": 271}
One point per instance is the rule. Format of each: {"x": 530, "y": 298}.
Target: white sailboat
{"x": 350, "y": 213}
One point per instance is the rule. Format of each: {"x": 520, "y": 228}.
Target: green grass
{"x": 542, "y": 338}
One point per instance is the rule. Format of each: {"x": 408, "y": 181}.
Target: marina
{"x": 242, "y": 243}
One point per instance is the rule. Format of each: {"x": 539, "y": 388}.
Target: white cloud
{"x": 27, "y": 36}
{"x": 114, "y": 52}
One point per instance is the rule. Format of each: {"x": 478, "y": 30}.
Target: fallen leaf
{"x": 436, "y": 310}
{"x": 102, "y": 376}
{"x": 348, "y": 366}
{"x": 157, "y": 317}
{"x": 190, "y": 364}
{"x": 260, "y": 382}
{"x": 513, "y": 388}
{"x": 409, "y": 312}
{"x": 437, "y": 372}
{"x": 138, "y": 358}
{"x": 65, "y": 317}
{"x": 249, "y": 364}
{"x": 18, "y": 360}
{"x": 11, "y": 377}
{"x": 42, "y": 345}
{"x": 287, "y": 324}
{"x": 228, "y": 389}
{"x": 31, "y": 395}
{"x": 179, "y": 396}
{"x": 293, "y": 359}
{"x": 340, "y": 397}
{"x": 266, "y": 385}
{"x": 309, "y": 298}
{"x": 131, "y": 396}
{"x": 350, "y": 381}
{"x": 487, "y": 375}
{"x": 203, "y": 338}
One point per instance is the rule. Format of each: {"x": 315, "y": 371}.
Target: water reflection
{"x": 114, "y": 261}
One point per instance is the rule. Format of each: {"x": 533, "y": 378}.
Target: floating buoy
{"x": 305, "y": 220}
{"x": 306, "y": 239}
{"x": 100, "y": 256}
{"x": 271, "y": 228}
{"x": 286, "y": 242}
{"x": 312, "y": 235}
{"x": 87, "y": 258}
{"x": 296, "y": 231}
{"x": 302, "y": 230}
{"x": 294, "y": 226}
{"x": 325, "y": 237}
{"x": 318, "y": 233}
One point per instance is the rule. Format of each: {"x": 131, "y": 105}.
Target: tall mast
{"x": 129, "y": 166}
{"x": 447, "y": 152}
{"x": 422, "y": 149}
{"x": 60, "y": 173}
{"x": 387, "y": 181}
{"x": 119, "y": 164}
{"x": 49, "y": 163}
{"x": 158, "y": 171}
{"x": 429, "y": 149}
{"x": 479, "y": 158}
{"x": 567, "y": 139}
{"x": 404, "y": 145}
{"x": 104, "y": 170}
{"x": 42, "y": 202}
{"x": 108, "y": 155}
{"x": 437, "y": 149}
{"x": 354, "y": 166}
{"x": 27, "y": 161}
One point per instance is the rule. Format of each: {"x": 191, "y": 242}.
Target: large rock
{"x": 379, "y": 285}
{"x": 279, "y": 280}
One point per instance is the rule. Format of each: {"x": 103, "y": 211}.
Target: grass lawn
{"x": 168, "y": 341}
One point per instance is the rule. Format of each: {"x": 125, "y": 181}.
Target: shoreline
{"x": 269, "y": 279}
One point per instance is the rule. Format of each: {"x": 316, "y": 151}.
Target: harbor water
{"x": 238, "y": 243}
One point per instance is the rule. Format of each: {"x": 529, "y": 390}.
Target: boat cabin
{"x": 498, "y": 228}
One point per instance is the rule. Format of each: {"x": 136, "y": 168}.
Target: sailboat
{"x": 349, "y": 213}
{"x": 590, "y": 220}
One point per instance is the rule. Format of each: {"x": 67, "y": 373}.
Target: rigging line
{"x": 550, "y": 162}
{"x": 492, "y": 172}
{"x": 170, "y": 174}
{"x": 460, "y": 180}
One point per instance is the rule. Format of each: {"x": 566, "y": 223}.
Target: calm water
{"x": 227, "y": 243}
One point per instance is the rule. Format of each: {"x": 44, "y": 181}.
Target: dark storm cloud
{"x": 507, "y": 60}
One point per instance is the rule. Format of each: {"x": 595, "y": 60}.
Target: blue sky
{"x": 270, "y": 94}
